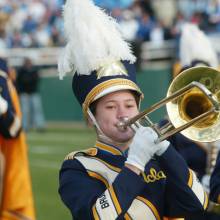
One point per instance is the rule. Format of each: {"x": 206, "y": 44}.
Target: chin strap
{"x": 100, "y": 133}
{"x": 95, "y": 122}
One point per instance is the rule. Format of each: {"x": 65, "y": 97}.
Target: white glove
{"x": 143, "y": 147}
{"x": 3, "y": 105}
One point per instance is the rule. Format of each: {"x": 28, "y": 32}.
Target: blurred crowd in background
{"x": 31, "y": 23}
{"x": 38, "y": 23}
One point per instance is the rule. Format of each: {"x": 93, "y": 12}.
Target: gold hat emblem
{"x": 112, "y": 69}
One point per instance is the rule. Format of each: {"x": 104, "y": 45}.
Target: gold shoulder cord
{"x": 87, "y": 152}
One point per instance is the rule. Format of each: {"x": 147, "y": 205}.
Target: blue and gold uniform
{"x": 16, "y": 199}
{"x": 105, "y": 189}
{"x": 10, "y": 122}
{"x": 125, "y": 175}
{"x": 194, "y": 155}
{"x": 195, "y": 49}
{"x": 215, "y": 182}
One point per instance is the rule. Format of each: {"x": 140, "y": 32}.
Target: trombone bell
{"x": 193, "y": 107}
{"x": 194, "y": 103}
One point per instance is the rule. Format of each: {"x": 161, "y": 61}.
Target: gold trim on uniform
{"x": 206, "y": 201}
{"x": 99, "y": 177}
{"x": 127, "y": 217}
{"x": 104, "y": 85}
{"x": 108, "y": 148}
{"x": 90, "y": 152}
{"x": 115, "y": 200}
{"x": 151, "y": 206}
{"x": 95, "y": 213}
{"x": 190, "y": 180}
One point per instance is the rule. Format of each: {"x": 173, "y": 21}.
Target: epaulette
{"x": 87, "y": 152}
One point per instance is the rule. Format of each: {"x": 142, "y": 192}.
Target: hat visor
{"x": 115, "y": 89}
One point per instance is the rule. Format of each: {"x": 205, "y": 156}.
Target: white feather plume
{"x": 93, "y": 39}
{"x": 195, "y": 45}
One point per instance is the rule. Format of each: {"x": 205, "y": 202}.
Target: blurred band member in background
{"x": 16, "y": 199}
{"x": 195, "y": 50}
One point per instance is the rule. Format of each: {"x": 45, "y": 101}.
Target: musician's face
{"x": 113, "y": 108}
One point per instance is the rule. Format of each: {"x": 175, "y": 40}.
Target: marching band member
{"x": 16, "y": 199}
{"x": 124, "y": 175}
{"x": 196, "y": 50}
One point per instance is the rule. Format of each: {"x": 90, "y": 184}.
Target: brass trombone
{"x": 193, "y": 106}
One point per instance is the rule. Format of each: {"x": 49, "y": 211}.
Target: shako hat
{"x": 101, "y": 61}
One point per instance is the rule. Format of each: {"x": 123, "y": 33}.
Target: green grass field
{"x": 46, "y": 153}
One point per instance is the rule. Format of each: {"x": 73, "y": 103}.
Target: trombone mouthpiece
{"x": 122, "y": 125}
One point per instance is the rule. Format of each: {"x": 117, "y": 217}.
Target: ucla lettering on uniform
{"x": 154, "y": 176}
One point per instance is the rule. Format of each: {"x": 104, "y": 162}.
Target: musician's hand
{"x": 143, "y": 147}
{"x": 3, "y": 105}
